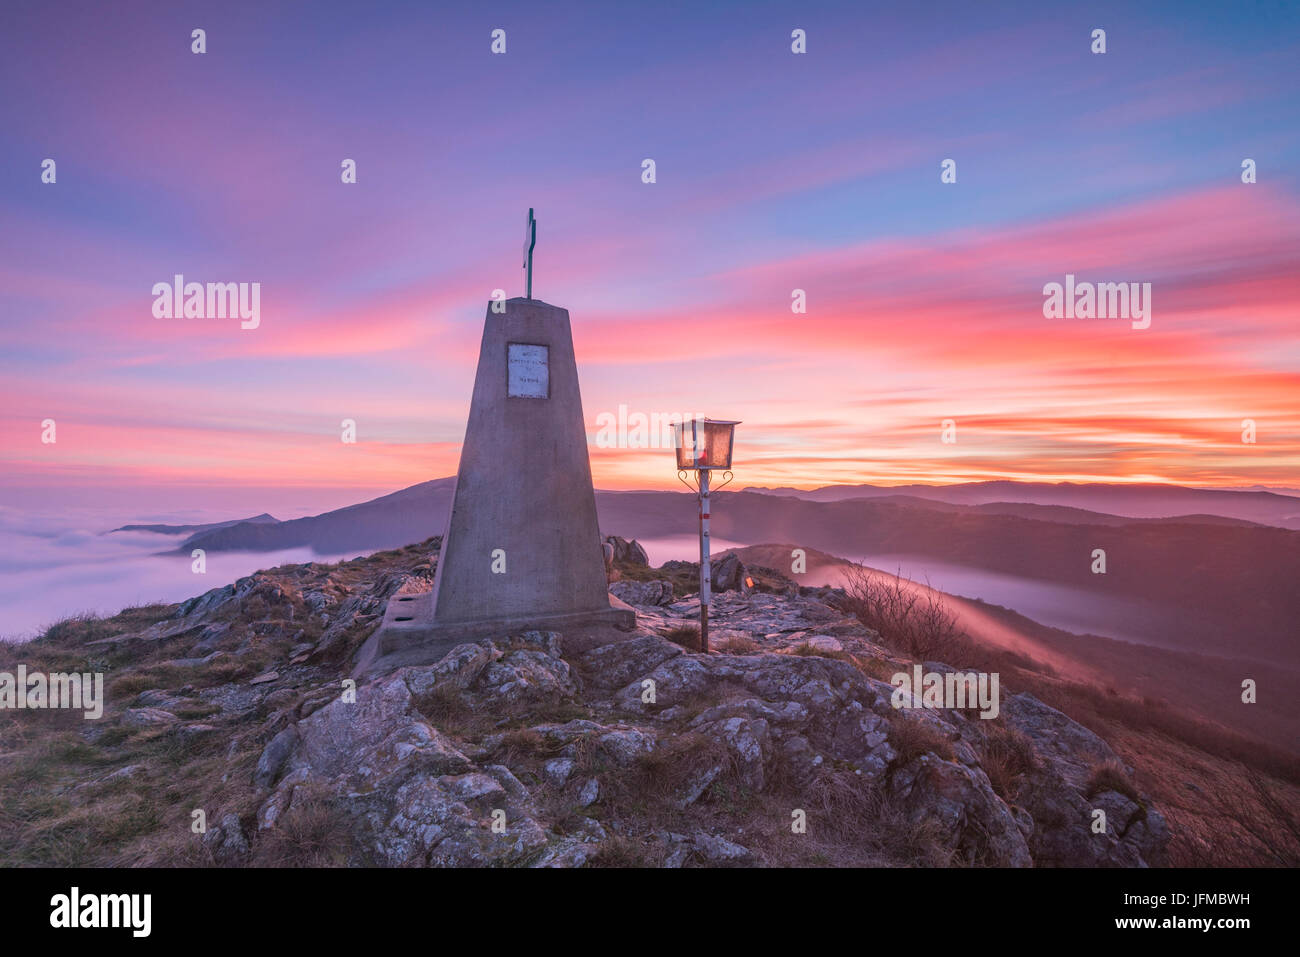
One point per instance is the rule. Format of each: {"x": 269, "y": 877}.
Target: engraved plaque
{"x": 527, "y": 371}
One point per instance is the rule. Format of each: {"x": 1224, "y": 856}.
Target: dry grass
{"x": 1006, "y": 754}
{"x": 805, "y": 650}
{"x": 315, "y": 832}
{"x": 519, "y": 745}
{"x": 849, "y": 821}
{"x": 688, "y": 636}
{"x": 913, "y": 737}
{"x": 882, "y": 669}
{"x": 1111, "y": 776}
{"x": 619, "y": 851}
{"x": 738, "y": 645}
{"x": 853, "y": 824}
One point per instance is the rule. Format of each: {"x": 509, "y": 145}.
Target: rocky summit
{"x": 780, "y": 747}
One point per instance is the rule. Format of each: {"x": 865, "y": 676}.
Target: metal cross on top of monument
{"x": 530, "y": 240}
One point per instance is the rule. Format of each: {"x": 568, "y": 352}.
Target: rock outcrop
{"x": 771, "y": 719}
{"x": 518, "y": 751}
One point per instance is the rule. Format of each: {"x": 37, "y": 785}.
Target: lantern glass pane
{"x": 687, "y": 438}
{"x": 717, "y": 445}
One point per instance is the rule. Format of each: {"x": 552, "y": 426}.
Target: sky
{"x": 774, "y": 171}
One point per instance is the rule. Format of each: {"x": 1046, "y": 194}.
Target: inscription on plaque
{"x": 527, "y": 373}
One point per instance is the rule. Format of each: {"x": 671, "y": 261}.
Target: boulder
{"x": 625, "y": 552}
{"x": 652, "y": 593}
{"x": 728, "y": 574}
{"x": 960, "y": 802}
{"x": 1054, "y": 795}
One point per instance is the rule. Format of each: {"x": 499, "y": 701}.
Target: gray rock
{"x": 458, "y": 669}
{"x": 698, "y": 784}
{"x": 972, "y": 820}
{"x": 566, "y": 852}
{"x": 194, "y": 662}
{"x": 505, "y": 777}
{"x": 625, "y": 745}
{"x": 1053, "y": 794}
{"x": 521, "y": 679}
{"x": 612, "y": 666}
{"x": 235, "y": 698}
{"x": 195, "y": 732}
{"x": 157, "y": 698}
{"x": 627, "y": 552}
{"x": 718, "y": 850}
{"x": 319, "y": 601}
{"x": 413, "y": 796}
{"x": 274, "y": 757}
{"x": 558, "y": 770}
{"x": 647, "y": 594}
{"x": 147, "y": 717}
{"x": 749, "y": 743}
{"x": 355, "y": 612}
{"x": 676, "y": 680}
{"x": 729, "y": 574}
{"x": 226, "y": 841}
{"x": 206, "y": 603}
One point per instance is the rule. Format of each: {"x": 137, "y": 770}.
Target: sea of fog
{"x": 1058, "y": 606}
{"x": 54, "y": 564}
{"x": 683, "y": 548}
{"x": 57, "y": 564}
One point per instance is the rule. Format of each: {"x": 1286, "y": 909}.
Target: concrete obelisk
{"x": 522, "y": 549}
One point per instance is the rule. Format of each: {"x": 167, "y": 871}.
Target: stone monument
{"x": 522, "y": 549}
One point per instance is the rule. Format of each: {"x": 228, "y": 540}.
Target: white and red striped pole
{"x": 706, "y": 573}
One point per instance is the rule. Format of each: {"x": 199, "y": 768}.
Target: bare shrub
{"x": 910, "y": 618}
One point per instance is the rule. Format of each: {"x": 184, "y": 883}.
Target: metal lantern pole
{"x": 709, "y": 448}
{"x": 706, "y": 574}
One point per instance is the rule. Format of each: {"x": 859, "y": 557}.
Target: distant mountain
{"x": 1131, "y": 501}
{"x": 411, "y": 515}
{"x": 1276, "y": 489}
{"x": 1053, "y": 513}
{"x": 1204, "y": 583}
{"x": 263, "y": 519}
{"x": 1201, "y": 584}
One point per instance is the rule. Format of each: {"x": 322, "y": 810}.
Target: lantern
{"x": 703, "y": 443}
{"x": 703, "y": 446}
